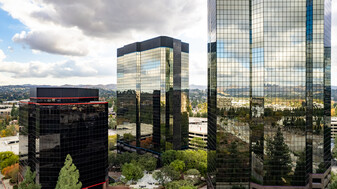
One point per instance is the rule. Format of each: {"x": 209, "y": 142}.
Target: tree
{"x": 168, "y": 157}
{"x": 198, "y": 143}
{"x": 29, "y": 181}
{"x": 299, "y": 174}
{"x": 180, "y": 184}
{"x": 14, "y": 112}
{"x": 8, "y": 159}
{"x": 333, "y": 184}
{"x": 11, "y": 172}
{"x": 278, "y": 161}
{"x": 166, "y": 174}
{"x": 148, "y": 162}
{"x": 178, "y": 165}
{"x": 112, "y": 159}
{"x": 127, "y": 157}
{"x": 192, "y": 175}
{"x": 69, "y": 175}
{"x": 132, "y": 171}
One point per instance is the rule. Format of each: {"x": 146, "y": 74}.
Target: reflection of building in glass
{"x": 152, "y": 95}
{"x": 197, "y": 129}
{"x": 269, "y": 93}
{"x": 60, "y": 121}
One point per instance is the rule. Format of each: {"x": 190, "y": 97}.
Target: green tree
{"x": 299, "y": 174}
{"x": 132, "y": 171}
{"x": 69, "y": 175}
{"x": 278, "y": 161}
{"x": 192, "y": 175}
{"x": 112, "y": 159}
{"x": 198, "y": 143}
{"x": 168, "y": 157}
{"x": 148, "y": 162}
{"x": 188, "y": 187}
{"x": 180, "y": 184}
{"x": 166, "y": 174}
{"x": 333, "y": 184}
{"x": 14, "y": 112}
{"x": 178, "y": 165}
{"x": 29, "y": 181}
{"x": 8, "y": 159}
{"x": 127, "y": 157}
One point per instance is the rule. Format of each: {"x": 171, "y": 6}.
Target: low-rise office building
{"x": 56, "y": 122}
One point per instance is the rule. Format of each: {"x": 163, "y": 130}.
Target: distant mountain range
{"x": 108, "y": 86}
{"x": 200, "y": 87}
{"x": 99, "y": 86}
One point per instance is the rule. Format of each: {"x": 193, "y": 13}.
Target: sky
{"x": 75, "y": 42}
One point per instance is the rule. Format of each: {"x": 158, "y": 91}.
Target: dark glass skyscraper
{"x": 60, "y": 121}
{"x": 269, "y": 93}
{"x": 152, "y": 95}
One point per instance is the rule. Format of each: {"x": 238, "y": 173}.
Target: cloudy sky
{"x": 74, "y": 42}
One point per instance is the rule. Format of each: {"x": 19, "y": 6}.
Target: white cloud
{"x": 63, "y": 69}
{"x": 61, "y": 27}
{"x": 85, "y": 31}
{"x": 112, "y": 18}
{"x": 72, "y": 68}
{"x": 55, "y": 42}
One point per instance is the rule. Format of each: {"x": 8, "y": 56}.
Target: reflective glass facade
{"x": 269, "y": 93}
{"x": 60, "y": 121}
{"x": 152, "y": 95}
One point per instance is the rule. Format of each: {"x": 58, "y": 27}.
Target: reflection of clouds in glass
{"x": 229, "y": 69}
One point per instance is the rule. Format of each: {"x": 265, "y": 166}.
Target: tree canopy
{"x": 69, "y": 175}
{"x": 132, "y": 171}
{"x": 278, "y": 161}
{"x": 29, "y": 181}
{"x": 8, "y": 159}
{"x": 178, "y": 165}
{"x": 166, "y": 174}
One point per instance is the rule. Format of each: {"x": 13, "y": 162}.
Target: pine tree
{"x": 69, "y": 175}
{"x": 299, "y": 174}
{"x": 277, "y": 161}
{"x": 29, "y": 181}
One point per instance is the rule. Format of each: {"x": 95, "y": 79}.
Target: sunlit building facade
{"x": 152, "y": 95}
{"x": 56, "y": 122}
{"x": 269, "y": 93}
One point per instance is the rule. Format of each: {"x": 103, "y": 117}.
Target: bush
{"x": 180, "y": 184}
{"x": 11, "y": 172}
{"x": 166, "y": 174}
{"x": 193, "y": 176}
{"x": 132, "y": 171}
{"x": 178, "y": 165}
{"x": 148, "y": 162}
{"x": 168, "y": 157}
{"x": 7, "y": 159}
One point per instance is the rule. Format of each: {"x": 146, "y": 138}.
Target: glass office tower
{"x": 269, "y": 93}
{"x": 152, "y": 95}
{"x": 60, "y": 121}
